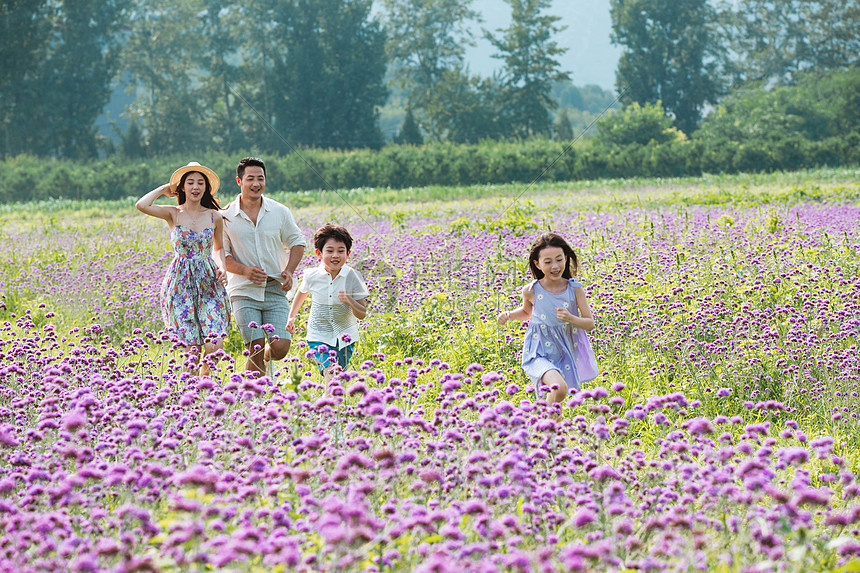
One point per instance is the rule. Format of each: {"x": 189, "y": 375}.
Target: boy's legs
{"x": 330, "y": 365}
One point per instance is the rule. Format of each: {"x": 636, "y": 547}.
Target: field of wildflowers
{"x": 722, "y": 435}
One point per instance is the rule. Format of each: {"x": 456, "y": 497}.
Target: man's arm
{"x": 254, "y": 274}
{"x": 296, "y": 254}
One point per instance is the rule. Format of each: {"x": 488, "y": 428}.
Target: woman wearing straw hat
{"x": 194, "y": 302}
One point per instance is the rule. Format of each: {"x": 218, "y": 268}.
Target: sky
{"x": 590, "y": 58}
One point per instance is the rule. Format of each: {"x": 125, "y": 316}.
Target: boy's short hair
{"x": 249, "y": 162}
{"x": 332, "y": 231}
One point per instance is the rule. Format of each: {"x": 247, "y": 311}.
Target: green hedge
{"x": 25, "y": 178}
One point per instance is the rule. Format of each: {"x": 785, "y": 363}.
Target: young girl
{"x": 194, "y": 302}
{"x": 338, "y": 301}
{"x": 556, "y": 350}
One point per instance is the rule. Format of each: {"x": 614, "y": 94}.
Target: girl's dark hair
{"x": 209, "y": 201}
{"x": 552, "y": 240}
{"x": 332, "y": 231}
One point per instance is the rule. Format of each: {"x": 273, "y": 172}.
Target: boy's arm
{"x": 358, "y": 307}
{"x": 357, "y": 296}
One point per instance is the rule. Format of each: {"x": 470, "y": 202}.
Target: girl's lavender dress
{"x": 551, "y": 344}
{"x": 194, "y": 305}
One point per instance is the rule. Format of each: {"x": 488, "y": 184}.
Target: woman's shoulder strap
{"x": 574, "y": 283}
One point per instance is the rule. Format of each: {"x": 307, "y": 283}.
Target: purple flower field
{"x": 722, "y": 435}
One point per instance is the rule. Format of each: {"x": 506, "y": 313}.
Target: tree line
{"x": 269, "y": 75}
{"x": 690, "y": 54}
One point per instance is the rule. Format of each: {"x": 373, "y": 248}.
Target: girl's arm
{"x": 166, "y": 212}
{"x": 218, "y": 251}
{"x": 585, "y": 320}
{"x": 298, "y": 301}
{"x": 524, "y": 312}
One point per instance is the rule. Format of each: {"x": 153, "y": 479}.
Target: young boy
{"x": 339, "y": 299}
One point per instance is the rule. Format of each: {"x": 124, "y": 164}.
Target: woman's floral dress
{"x": 194, "y": 305}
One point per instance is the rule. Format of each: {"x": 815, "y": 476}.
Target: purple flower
{"x": 604, "y": 472}
{"x": 793, "y": 456}
{"x": 354, "y": 459}
{"x": 7, "y": 437}
{"x": 698, "y": 426}
{"x": 429, "y": 476}
{"x": 197, "y": 475}
{"x": 473, "y": 368}
{"x": 74, "y": 420}
{"x": 822, "y": 446}
{"x": 584, "y": 517}
{"x": 812, "y": 496}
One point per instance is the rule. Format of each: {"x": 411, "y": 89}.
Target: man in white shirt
{"x": 263, "y": 247}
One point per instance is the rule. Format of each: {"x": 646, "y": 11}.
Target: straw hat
{"x": 214, "y": 182}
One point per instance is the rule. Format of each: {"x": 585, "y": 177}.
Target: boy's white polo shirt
{"x": 330, "y": 319}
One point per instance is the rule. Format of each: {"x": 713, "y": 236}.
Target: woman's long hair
{"x": 208, "y": 200}
{"x": 552, "y": 240}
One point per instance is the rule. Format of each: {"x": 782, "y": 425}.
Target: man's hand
{"x": 288, "y": 280}
{"x": 256, "y": 275}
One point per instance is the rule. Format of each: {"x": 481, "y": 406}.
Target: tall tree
{"x": 329, "y": 80}
{"x": 834, "y": 33}
{"x": 410, "y": 133}
{"x": 26, "y": 31}
{"x": 772, "y": 40}
{"x": 164, "y": 64}
{"x": 79, "y": 71}
{"x": 425, "y": 47}
{"x": 256, "y": 79}
{"x": 531, "y": 67}
{"x": 669, "y": 55}
{"x": 58, "y": 62}
{"x": 562, "y": 129}
{"x": 222, "y": 32}
{"x": 463, "y": 108}
{"x": 767, "y": 39}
